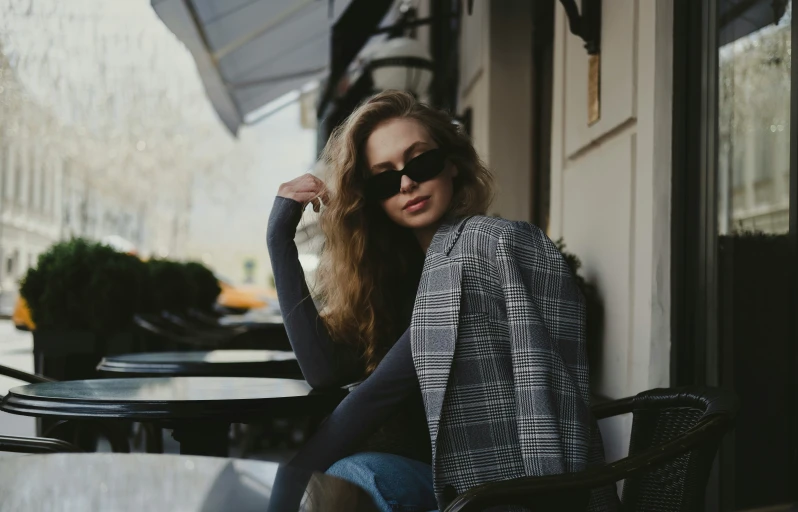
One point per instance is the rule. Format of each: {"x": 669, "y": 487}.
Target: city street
{"x": 16, "y": 351}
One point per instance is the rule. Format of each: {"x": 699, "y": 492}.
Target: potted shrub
{"x": 594, "y": 307}
{"x": 82, "y": 297}
{"x": 207, "y": 286}
{"x": 176, "y": 289}
{"x": 173, "y": 289}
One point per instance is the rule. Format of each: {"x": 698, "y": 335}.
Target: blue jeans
{"x": 397, "y": 484}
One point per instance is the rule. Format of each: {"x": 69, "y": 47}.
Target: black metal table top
{"x": 222, "y": 363}
{"x": 135, "y": 482}
{"x": 223, "y": 399}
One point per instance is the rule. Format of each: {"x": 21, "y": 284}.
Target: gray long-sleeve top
{"x": 391, "y": 392}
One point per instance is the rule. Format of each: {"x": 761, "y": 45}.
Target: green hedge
{"x": 172, "y": 288}
{"x": 83, "y": 285}
{"x": 207, "y": 286}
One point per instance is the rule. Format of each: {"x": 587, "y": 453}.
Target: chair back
{"x": 661, "y": 416}
{"x": 30, "y": 378}
{"x": 15, "y": 444}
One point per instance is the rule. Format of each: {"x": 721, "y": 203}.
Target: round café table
{"x": 199, "y": 410}
{"x": 171, "y": 483}
{"x": 215, "y": 363}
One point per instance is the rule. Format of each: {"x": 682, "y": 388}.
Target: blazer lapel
{"x": 433, "y": 328}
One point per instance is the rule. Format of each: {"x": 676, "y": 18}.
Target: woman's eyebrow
{"x": 407, "y": 152}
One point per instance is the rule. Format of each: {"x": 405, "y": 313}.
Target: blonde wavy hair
{"x": 370, "y": 266}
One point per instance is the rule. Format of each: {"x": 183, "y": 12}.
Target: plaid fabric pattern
{"x": 499, "y": 348}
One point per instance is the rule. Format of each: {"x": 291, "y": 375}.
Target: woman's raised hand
{"x": 305, "y": 189}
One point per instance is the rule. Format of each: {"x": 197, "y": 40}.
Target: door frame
{"x": 696, "y": 357}
{"x": 694, "y": 264}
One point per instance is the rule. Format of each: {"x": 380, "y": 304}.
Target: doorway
{"x": 734, "y": 236}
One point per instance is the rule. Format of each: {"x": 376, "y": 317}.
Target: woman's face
{"x": 416, "y": 205}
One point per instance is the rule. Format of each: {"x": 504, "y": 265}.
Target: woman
{"x": 488, "y": 320}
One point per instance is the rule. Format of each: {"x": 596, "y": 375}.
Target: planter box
{"x": 73, "y": 355}
{"x": 757, "y": 307}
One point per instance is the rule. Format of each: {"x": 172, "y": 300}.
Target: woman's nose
{"x": 407, "y": 184}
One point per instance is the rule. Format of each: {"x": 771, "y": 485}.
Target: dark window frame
{"x": 696, "y": 357}
{"x": 542, "y": 90}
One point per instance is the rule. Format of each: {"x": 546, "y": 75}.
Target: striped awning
{"x": 251, "y": 52}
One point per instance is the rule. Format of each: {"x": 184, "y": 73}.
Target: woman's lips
{"x": 417, "y": 206}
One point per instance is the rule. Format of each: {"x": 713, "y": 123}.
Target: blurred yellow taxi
{"x": 236, "y": 299}
{"x": 241, "y": 298}
{"x": 21, "y": 316}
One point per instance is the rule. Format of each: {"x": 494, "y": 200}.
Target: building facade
{"x": 101, "y": 118}
{"x": 609, "y": 195}
{"x": 690, "y": 163}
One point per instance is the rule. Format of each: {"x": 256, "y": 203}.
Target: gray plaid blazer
{"x": 498, "y": 342}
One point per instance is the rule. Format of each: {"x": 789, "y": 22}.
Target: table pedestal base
{"x": 202, "y": 438}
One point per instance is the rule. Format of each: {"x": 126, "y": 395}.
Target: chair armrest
{"x": 607, "y": 409}
{"x": 149, "y": 325}
{"x": 35, "y": 445}
{"x": 534, "y": 491}
{"x": 23, "y": 376}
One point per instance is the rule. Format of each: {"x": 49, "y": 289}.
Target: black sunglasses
{"x": 424, "y": 167}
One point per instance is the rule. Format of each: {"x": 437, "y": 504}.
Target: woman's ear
{"x": 454, "y": 171}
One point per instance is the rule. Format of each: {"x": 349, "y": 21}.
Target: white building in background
{"x": 103, "y": 125}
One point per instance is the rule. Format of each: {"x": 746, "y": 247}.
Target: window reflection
{"x": 754, "y": 117}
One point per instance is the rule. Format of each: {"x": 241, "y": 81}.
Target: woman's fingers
{"x": 304, "y": 189}
{"x": 325, "y": 195}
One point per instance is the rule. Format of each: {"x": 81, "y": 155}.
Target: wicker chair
{"x": 17, "y": 444}
{"x": 71, "y": 429}
{"x": 675, "y": 435}
{"x": 31, "y": 444}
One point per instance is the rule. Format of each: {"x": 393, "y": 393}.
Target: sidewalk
{"x": 16, "y": 351}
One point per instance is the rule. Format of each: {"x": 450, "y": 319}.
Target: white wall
{"x": 610, "y": 181}
{"x": 474, "y": 71}
{"x": 610, "y": 196}
{"x": 496, "y": 84}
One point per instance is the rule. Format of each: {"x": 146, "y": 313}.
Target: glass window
{"x": 754, "y": 116}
